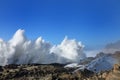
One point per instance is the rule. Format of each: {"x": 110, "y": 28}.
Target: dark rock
{"x": 1, "y": 68}
{"x": 48, "y": 72}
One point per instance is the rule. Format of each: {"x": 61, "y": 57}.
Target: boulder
{"x": 115, "y": 73}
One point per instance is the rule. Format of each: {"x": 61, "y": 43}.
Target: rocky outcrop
{"x": 115, "y": 73}
{"x": 116, "y": 55}
{"x": 42, "y": 72}
{"x": 54, "y": 72}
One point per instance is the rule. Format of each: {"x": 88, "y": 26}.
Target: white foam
{"x": 20, "y": 50}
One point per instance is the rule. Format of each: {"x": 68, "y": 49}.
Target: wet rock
{"x": 1, "y": 68}
{"x": 54, "y": 72}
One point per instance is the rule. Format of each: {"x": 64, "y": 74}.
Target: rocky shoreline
{"x": 54, "y": 72}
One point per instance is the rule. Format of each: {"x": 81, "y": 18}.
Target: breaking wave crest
{"x": 20, "y": 50}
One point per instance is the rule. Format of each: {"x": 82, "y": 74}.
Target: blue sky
{"x": 94, "y": 22}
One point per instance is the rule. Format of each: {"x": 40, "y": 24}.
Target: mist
{"x": 20, "y": 50}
